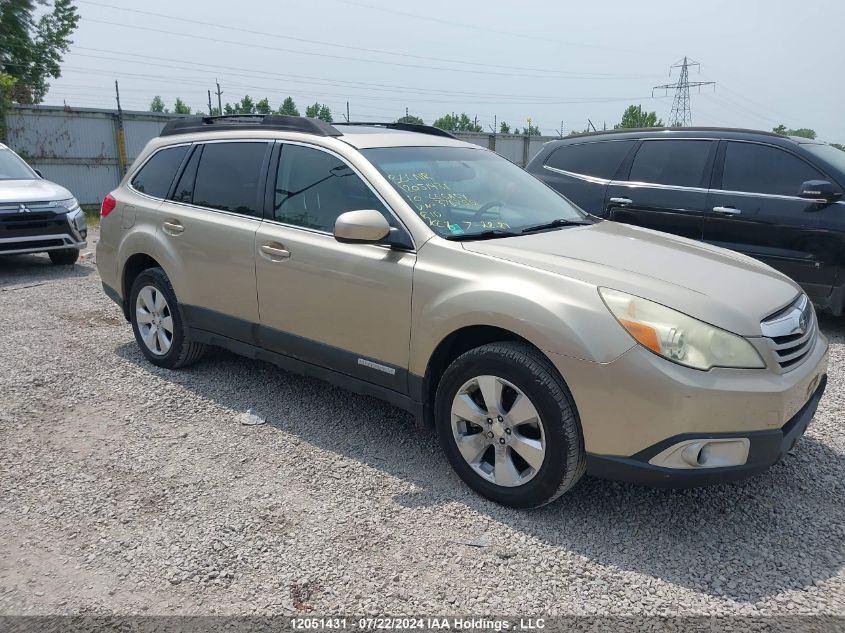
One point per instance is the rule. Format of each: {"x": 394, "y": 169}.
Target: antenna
{"x": 681, "y": 115}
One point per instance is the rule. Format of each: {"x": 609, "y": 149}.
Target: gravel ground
{"x": 131, "y": 489}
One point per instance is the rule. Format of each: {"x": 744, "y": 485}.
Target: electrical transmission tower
{"x": 681, "y": 115}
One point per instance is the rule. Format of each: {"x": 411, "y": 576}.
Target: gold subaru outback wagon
{"x": 399, "y": 262}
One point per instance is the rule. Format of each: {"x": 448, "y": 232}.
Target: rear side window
{"x": 314, "y": 187}
{"x": 676, "y": 163}
{"x": 600, "y": 160}
{"x": 184, "y": 190}
{"x": 764, "y": 169}
{"x": 227, "y": 177}
{"x": 157, "y": 173}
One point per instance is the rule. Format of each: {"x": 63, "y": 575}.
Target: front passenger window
{"x": 314, "y": 187}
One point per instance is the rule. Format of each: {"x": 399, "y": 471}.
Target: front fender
{"x": 556, "y": 314}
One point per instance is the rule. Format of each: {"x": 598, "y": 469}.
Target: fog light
{"x": 704, "y": 453}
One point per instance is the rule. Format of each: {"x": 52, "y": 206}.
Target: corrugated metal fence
{"x": 78, "y": 148}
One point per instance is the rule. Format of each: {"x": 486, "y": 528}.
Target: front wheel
{"x": 508, "y": 425}
{"x": 64, "y": 257}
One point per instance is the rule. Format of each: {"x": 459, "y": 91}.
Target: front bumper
{"x": 766, "y": 449}
{"x": 40, "y": 231}
{"x": 632, "y": 408}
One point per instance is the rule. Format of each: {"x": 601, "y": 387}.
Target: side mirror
{"x": 819, "y": 190}
{"x": 367, "y": 226}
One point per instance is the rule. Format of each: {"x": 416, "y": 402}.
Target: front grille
{"x": 791, "y": 333}
{"x": 34, "y": 223}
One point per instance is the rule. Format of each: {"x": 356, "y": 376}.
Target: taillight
{"x": 108, "y": 205}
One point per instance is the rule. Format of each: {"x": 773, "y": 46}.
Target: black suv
{"x": 775, "y": 198}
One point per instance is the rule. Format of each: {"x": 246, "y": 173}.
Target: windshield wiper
{"x": 484, "y": 235}
{"x": 554, "y": 224}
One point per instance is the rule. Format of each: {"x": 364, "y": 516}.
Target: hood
{"x": 35, "y": 190}
{"x": 712, "y": 284}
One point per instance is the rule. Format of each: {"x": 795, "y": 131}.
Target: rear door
{"x": 665, "y": 188}
{"x": 209, "y": 222}
{"x": 581, "y": 171}
{"x": 754, "y": 209}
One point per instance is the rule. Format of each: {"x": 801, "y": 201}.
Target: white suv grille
{"x": 791, "y": 333}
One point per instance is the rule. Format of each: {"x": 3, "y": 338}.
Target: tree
{"x": 263, "y": 107}
{"x": 804, "y": 132}
{"x": 504, "y": 128}
{"x": 458, "y": 123}
{"x": 180, "y": 107}
{"x": 531, "y": 130}
{"x": 319, "y": 111}
{"x": 31, "y": 51}
{"x": 157, "y": 105}
{"x": 7, "y": 84}
{"x": 410, "y": 118}
{"x": 635, "y": 116}
{"x": 288, "y": 107}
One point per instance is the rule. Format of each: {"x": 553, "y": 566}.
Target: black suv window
{"x": 765, "y": 169}
{"x": 669, "y": 162}
{"x": 157, "y": 173}
{"x": 227, "y": 177}
{"x": 314, "y": 187}
{"x": 184, "y": 189}
{"x": 598, "y": 159}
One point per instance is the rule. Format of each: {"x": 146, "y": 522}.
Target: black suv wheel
{"x": 64, "y": 257}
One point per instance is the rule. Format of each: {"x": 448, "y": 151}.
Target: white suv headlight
{"x": 679, "y": 337}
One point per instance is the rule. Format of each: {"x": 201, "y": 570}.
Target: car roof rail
{"x": 407, "y": 127}
{"x": 187, "y": 125}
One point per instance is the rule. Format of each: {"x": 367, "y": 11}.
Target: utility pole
{"x": 347, "y": 112}
{"x": 210, "y": 111}
{"x": 560, "y": 131}
{"x": 681, "y": 115}
{"x": 219, "y": 100}
{"x": 590, "y": 125}
{"x": 120, "y": 136}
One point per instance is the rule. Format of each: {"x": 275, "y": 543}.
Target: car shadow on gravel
{"x": 747, "y": 541}
{"x": 34, "y": 269}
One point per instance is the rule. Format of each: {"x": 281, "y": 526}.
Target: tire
{"x": 520, "y": 370}
{"x": 64, "y": 257}
{"x": 164, "y": 347}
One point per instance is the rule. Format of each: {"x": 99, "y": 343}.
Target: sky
{"x": 551, "y": 61}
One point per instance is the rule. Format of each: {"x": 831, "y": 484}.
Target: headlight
{"x": 71, "y": 204}
{"x": 679, "y": 337}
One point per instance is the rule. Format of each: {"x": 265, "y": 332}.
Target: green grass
{"x": 92, "y": 213}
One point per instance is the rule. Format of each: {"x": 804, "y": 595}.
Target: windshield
{"x": 461, "y": 191}
{"x": 829, "y": 154}
{"x": 12, "y": 167}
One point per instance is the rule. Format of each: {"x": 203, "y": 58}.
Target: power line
{"x": 681, "y": 114}
{"x": 376, "y": 51}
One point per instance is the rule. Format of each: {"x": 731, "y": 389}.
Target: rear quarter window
{"x": 599, "y": 159}
{"x": 157, "y": 174}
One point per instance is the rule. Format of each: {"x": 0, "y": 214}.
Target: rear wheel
{"x": 508, "y": 425}
{"x": 64, "y": 257}
{"x": 157, "y": 322}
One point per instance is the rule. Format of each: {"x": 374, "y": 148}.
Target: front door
{"x": 343, "y": 306}
{"x": 754, "y": 209}
{"x": 666, "y": 188}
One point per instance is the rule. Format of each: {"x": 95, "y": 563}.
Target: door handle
{"x": 727, "y": 210}
{"x": 621, "y": 201}
{"x": 275, "y": 252}
{"x": 172, "y": 227}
